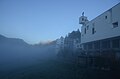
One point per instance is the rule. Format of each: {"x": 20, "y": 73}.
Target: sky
{"x": 37, "y": 21}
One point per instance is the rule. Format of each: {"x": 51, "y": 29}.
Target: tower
{"x": 83, "y": 19}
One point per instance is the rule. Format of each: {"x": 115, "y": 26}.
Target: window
{"x": 77, "y": 41}
{"x": 85, "y": 31}
{"x": 87, "y": 27}
{"x": 115, "y": 24}
{"x": 93, "y": 30}
{"x": 82, "y": 19}
{"x": 97, "y": 45}
{"x": 90, "y": 46}
{"x": 105, "y": 44}
{"x": 115, "y": 43}
{"x": 85, "y": 46}
{"x": 105, "y": 17}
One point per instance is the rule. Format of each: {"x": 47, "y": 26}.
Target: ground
{"x": 53, "y": 69}
{"x": 49, "y": 69}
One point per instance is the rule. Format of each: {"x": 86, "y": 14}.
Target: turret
{"x": 83, "y": 19}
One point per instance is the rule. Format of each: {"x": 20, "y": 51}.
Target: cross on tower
{"x": 82, "y": 13}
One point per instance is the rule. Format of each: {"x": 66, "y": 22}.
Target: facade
{"x": 100, "y": 38}
{"x": 70, "y": 45}
{"x": 76, "y": 45}
{"x": 72, "y": 41}
{"x": 106, "y": 25}
{"x": 59, "y": 44}
{"x": 103, "y": 32}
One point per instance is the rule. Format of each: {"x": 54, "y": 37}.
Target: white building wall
{"x": 103, "y": 27}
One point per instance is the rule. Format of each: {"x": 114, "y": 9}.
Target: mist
{"x": 24, "y": 56}
{"x": 84, "y": 39}
{"x": 15, "y": 54}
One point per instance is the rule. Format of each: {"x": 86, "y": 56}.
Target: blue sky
{"x": 44, "y": 20}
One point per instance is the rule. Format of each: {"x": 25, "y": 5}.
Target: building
{"x": 72, "y": 41}
{"x": 103, "y": 32}
{"x": 101, "y": 36}
{"x": 70, "y": 45}
{"x": 59, "y": 44}
{"x": 76, "y": 45}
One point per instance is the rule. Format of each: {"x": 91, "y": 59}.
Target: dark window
{"x": 105, "y": 17}
{"x": 85, "y": 31}
{"x": 116, "y": 43}
{"x": 85, "y": 46}
{"x": 90, "y": 46}
{"x": 93, "y": 30}
{"x": 115, "y": 24}
{"x": 77, "y": 41}
{"x": 97, "y": 45}
{"x": 105, "y": 44}
{"x": 82, "y": 19}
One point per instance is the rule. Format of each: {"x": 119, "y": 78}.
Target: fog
{"x": 15, "y": 54}
{"x": 18, "y": 57}
{"x": 19, "y": 60}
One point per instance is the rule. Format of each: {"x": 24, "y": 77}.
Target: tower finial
{"x": 82, "y": 13}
